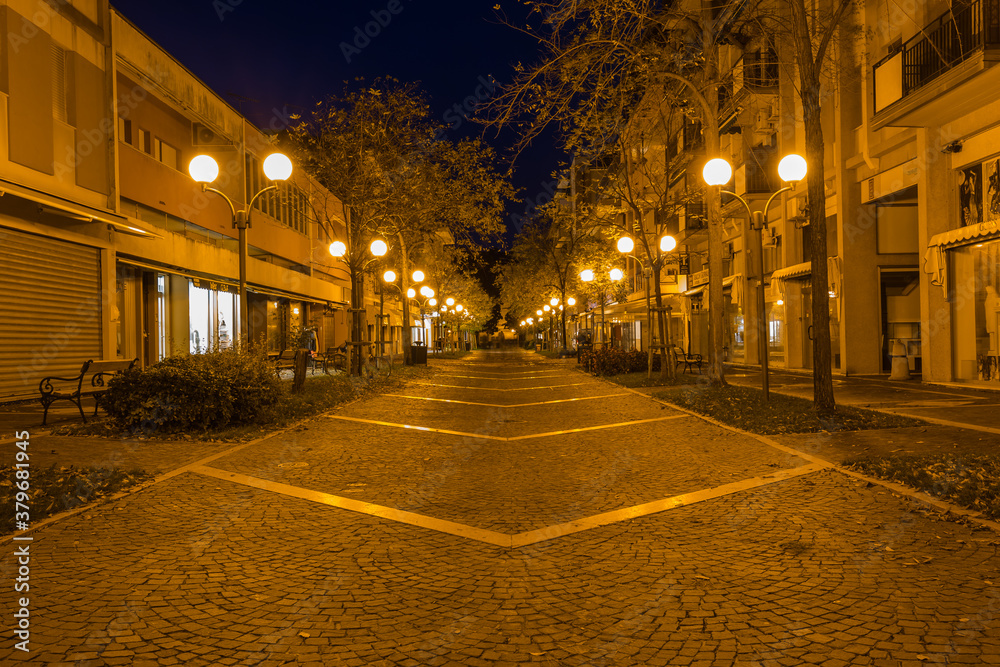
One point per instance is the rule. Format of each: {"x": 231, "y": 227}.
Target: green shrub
{"x": 194, "y": 392}
{"x": 614, "y": 361}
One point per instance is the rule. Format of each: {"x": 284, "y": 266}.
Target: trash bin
{"x": 418, "y": 352}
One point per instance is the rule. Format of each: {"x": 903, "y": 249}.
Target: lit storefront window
{"x": 210, "y": 316}
{"x": 976, "y": 312}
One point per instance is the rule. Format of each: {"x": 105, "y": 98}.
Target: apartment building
{"x": 108, "y": 249}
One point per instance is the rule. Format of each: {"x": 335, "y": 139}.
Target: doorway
{"x": 900, "y": 315}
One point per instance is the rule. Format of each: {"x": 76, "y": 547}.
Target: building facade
{"x": 108, "y": 249}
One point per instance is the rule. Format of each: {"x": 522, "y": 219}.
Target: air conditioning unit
{"x": 768, "y": 237}
{"x": 727, "y": 251}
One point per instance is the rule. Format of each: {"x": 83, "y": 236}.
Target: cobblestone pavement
{"x": 787, "y": 564}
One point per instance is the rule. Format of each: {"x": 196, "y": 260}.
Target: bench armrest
{"x": 45, "y": 385}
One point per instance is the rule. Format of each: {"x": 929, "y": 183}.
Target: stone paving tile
{"x": 795, "y": 573}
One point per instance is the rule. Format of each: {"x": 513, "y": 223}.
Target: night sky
{"x": 260, "y": 54}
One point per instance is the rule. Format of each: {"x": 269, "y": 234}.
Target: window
{"x": 145, "y": 142}
{"x": 60, "y": 104}
{"x": 165, "y": 153}
{"x": 125, "y": 131}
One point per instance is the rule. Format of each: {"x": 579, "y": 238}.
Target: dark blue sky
{"x": 292, "y": 53}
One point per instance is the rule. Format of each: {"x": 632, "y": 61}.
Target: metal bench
{"x": 687, "y": 359}
{"x": 74, "y": 389}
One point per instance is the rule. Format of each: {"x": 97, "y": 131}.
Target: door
{"x": 808, "y": 333}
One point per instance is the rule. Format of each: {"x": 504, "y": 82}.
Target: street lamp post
{"x": 791, "y": 169}
{"x": 204, "y": 169}
{"x": 625, "y": 246}
{"x": 339, "y": 250}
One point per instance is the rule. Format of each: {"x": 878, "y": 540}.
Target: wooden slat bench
{"x": 74, "y": 388}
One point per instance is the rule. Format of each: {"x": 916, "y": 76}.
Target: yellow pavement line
{"x": 416, "y": 428}
{"x": 615, "y": 516}
{"x": 456, "y": 386}
{"x": 596, "y": 428}
{"x": 497, "y": 405}
{"x": 500, "y": 438}
{"x": 371, "y": 509}
{"x": 523, "y": 377}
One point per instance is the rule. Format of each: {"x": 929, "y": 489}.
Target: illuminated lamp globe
{"x": 379, "y": 248}
{"x": 538, "y": 312}
{"x": 458, "y": 308}
{"x": 433, "y": 302}
{"x": 418, "y": 276}
{"x": 717, "y": 172}
{"x": 586, "y": 275}
{"x": 616, "y": 274}
{"x": 338, "y": 249}
{"x": 277, "y": 167}
{"x": 411, "y": 292}
{"x": 450, "y": 301}
{"x": 426, "y": 291}
{"x": 667, "y": 243}
{"x": 571, "y": 301}
{"x": 546, "y": 308}
{"x": 625, "y": 244}
{"x": 203, "y": 169}
{"x": 389, "y": 276}
{"x": 553, "y": 301}
{"x": 792, "y": 168}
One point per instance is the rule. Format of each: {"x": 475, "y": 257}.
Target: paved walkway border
{"x": 919, "y": 496}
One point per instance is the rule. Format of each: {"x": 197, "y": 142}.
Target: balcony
{"x": 928, "y": 79}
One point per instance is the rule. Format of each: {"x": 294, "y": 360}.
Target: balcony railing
{"x": 945, "y": 43}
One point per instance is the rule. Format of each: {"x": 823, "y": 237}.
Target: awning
{"x": 795, "y": 272}
{"x": 728, "y": 281}
{"x": 935, "y": 259}
{"x": 203, "y": 280}
{"x": 281, "y": 294}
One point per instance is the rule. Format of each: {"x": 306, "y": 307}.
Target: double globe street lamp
{"x": 204, "y": 169}
{"x": 625, "y": 246}
{"x": 791, "y": 169}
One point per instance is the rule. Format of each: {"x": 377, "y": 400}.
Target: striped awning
{"x": 794, "y": 272}
{"x": 935, "y": 258}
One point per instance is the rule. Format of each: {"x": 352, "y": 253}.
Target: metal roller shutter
{"x": 50, "y": 310}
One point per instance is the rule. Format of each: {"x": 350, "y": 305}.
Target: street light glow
{"x": 458, "y": 308}
{"x": 553, "y": 301}
{"x": 450, "y": 301}
{"x": 426, "y": 291}
{"x": 418, "y": 276}
{"x": 338, "y": 249}
{"x": 616, "y": 274}
{"x": 203, "y": 169}
{"x": 792, "y": 168}
{"x": 546, "y": 308}
{"x": 586, "y": 275}
{"x": 538, "y": 312}
{"x": 717, "y": 172}
{"x": 571, "y": 301}
{"x": 277, "y": 167}
{"x": 411, "y": 292}
{"x": 625, "y": 244}
{"x": 379, "y": 248}
{"x": 389, "y": 276}
{"x": 667, "y": 243}
{"x": 433, "y": 302}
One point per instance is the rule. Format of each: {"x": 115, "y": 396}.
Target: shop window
{"x": 210, "y": 318}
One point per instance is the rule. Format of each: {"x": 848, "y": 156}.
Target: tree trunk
{"x": 823, "y": 400}
{"x": 299, "y": 371}
{"x": 562, "y": 296}
{"x": 357, "y": 304}
{"x": 403, "y": 286}
{"x": 713, "y": 204}
{"x": 667, "y": 365}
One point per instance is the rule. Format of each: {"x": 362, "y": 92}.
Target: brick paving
{"x": 818, "y": 569}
